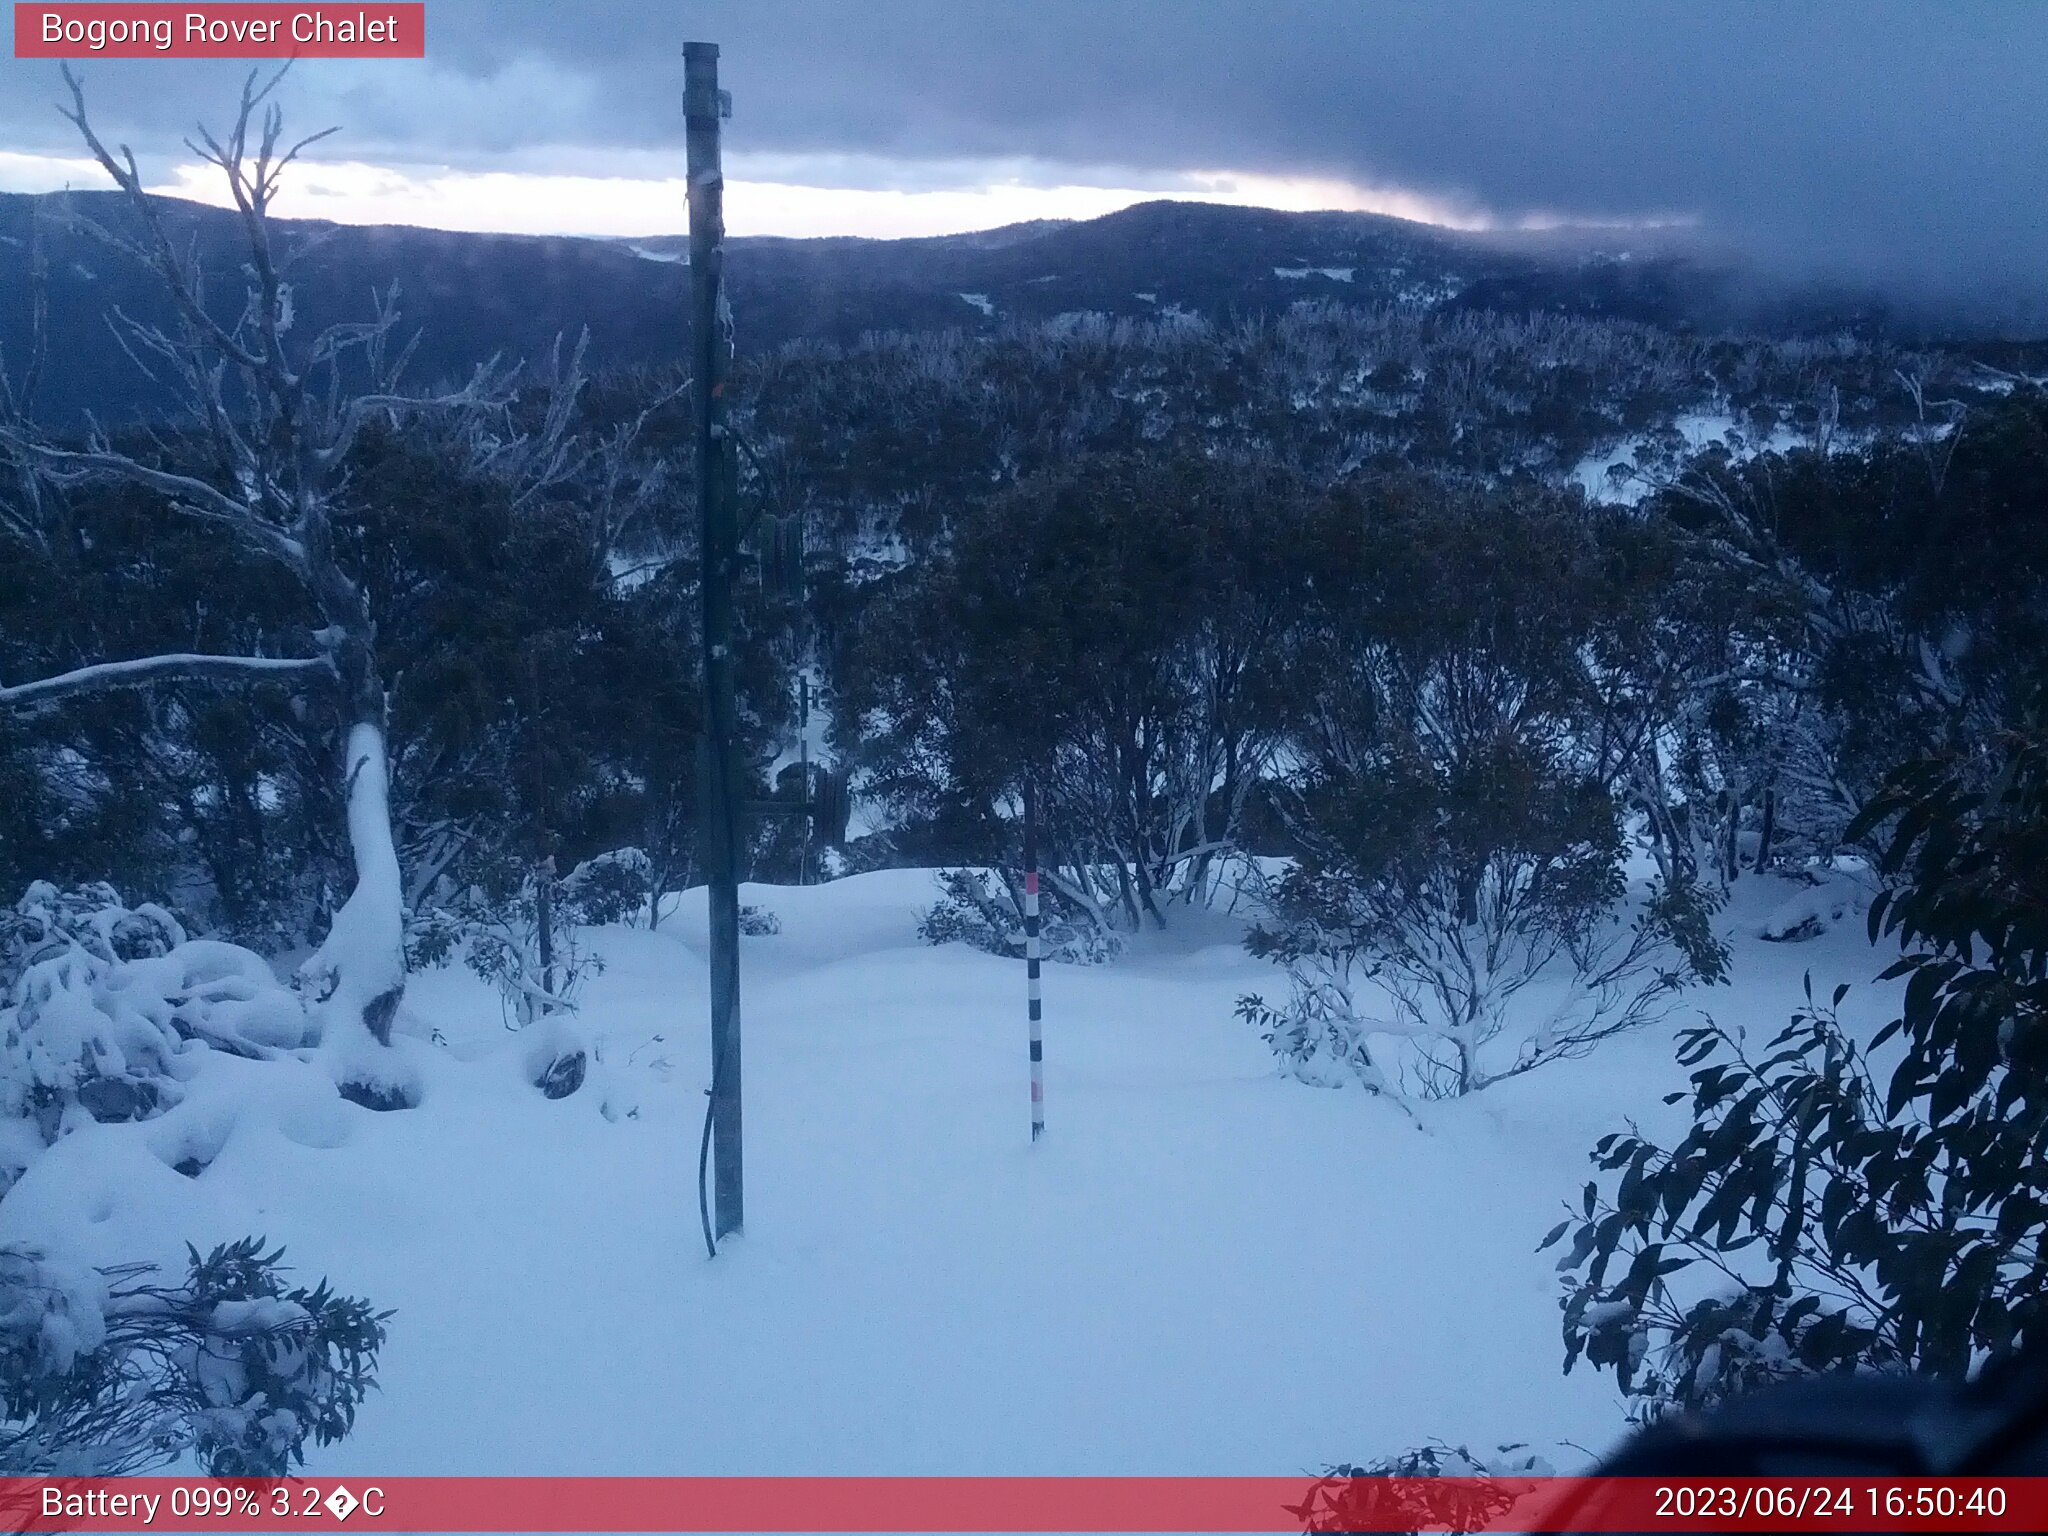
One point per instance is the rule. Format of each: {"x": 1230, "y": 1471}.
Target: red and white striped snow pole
{"x": 1032, "y": 957}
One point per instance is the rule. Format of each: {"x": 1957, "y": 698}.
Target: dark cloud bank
{"x": 1901, "y": 141}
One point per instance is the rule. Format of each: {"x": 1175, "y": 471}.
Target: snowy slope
{"x": 1203, "y": 1268}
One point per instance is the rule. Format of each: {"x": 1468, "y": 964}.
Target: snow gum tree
{"x": 1845, "y": 612}
{"x": 1110, "y": 628}
{"x": 1475, "y": 675}
{"x": 263, "y": 458}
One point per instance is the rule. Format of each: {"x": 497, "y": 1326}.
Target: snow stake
{"x": 1032, "y": 957}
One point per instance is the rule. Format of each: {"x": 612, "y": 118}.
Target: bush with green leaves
{"x": 1389, "y": 1494}
{"x": 112, "y": 1372}
{"x": 1820, "y": 1215}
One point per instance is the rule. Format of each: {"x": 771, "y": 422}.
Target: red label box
{"x": 1283, "y": 1506}
{"x": 372, "y": 30}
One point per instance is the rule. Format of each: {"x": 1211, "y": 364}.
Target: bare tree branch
{"x": 161, "y": 255}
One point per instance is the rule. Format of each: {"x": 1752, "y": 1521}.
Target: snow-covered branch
{"x": 157, "y": 669}
{"x": 185, "y": 493}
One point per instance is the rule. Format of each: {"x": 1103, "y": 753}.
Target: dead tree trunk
{"x": 264, "y": 462}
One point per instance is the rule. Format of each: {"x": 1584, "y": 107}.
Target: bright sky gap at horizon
{"x": 510, "y": 202}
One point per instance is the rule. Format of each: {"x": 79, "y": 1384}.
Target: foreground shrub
{"x": 1361, "y": 1498}
{"x": 108, "y": 1372}
{"x": 111, "y": 1010}
{"x": 1841, "y": 1224}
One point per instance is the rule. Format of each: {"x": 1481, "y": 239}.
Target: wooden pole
{"x": 718, "y": 532}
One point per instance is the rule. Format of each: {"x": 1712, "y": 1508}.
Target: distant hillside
{"x": 475, "y": 295}
{"x": 469, "y": 295}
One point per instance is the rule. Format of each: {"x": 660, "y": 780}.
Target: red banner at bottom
{"x": 1053, "y": 1504}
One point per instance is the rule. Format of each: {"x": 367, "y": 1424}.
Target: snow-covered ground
{"x": 1203, "y": 1268}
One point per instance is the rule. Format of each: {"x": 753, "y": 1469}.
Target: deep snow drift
{"x": 1203, "y": 1268}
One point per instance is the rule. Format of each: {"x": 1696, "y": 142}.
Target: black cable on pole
{"x": 703, "y": 1166}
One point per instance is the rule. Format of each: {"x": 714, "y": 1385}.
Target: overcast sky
{"x": 1907, "y": 137}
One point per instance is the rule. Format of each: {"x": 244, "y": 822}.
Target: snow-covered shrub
{"x": 759, "y": 922}
{"x": 109, "y": 1372}
{"x": 1408, "y": 986}
{"x": 47, "y": 921}
{"x": 610, "y": 888}
{"x": 1822, "y": 900}
{"x": 527, "y": 944}
{"x": 970, "y": 910}
{"x": 112, "y": 1012}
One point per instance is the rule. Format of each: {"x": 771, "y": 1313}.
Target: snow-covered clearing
{"x": 1204, "y": 1267}
{"x": 1696, "y": 430}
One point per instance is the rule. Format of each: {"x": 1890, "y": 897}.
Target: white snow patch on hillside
{"x": 1204, "y": 1268}
{"x": 1596, "y": 473}
{"x": 1335, "y": 274}
{"x": 982, "y": 302}
{"x": 630, "y": 571}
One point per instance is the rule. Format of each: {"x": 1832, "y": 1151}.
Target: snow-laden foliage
{"x": 1823, "y": 898}
{"x": 1838, "y": 614}
{"x": 1816, "y": 1217}
{"x": 527, "y": 943}
{"x": 113, "y": 1010}
{"x": 47, "y": 921}
{"x": 112, "y": 1372}
{"x": 1397, "y": 991}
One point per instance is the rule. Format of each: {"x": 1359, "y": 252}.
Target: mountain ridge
{"x": 475, "y": 295}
